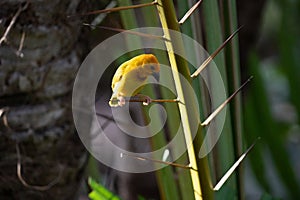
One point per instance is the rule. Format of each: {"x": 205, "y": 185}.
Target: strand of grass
{"x": 233, "y": 74}
{"x": 189, "y": 12}
{"x": 127, "y": 31}
{"x": 233, "y": 167}
{"x": 128, "y": 15}
{"x": 213, "y": 55}
{"x": 253, "y": 129}
{"x": 223, "y": 154}
{"x": 120, "y": 8}
{"x": 169, "y": 21}
{"x": 129, "y": 21}
{"x": 209, "y": 102}
{"x": 191, "y": 28}
{"x": 195, "y": 31}
{"x": 222, "y": 106}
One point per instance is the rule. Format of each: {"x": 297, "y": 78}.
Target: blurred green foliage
{"x": 272, "y": 104}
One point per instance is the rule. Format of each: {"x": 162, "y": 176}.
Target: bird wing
{"x": 118, "y": 75}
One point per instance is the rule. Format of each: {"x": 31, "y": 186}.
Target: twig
{"x": 148, "y": 100}
{"x": 127, "y": 31}
{"x": 35, "y": 187}
{"x": 158, "y": 161}
{"x": 116, "y": 9}
{"x": 12, "y": 22}
{"x": 155, "y": 100}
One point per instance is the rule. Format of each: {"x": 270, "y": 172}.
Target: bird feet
{"x": 117, "y": 101}
{"x": 122, "y": 101}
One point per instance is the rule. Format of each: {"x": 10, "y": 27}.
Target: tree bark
{"x": 35, "y": 100}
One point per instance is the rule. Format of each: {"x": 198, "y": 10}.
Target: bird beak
{"x": 156, "y": 76}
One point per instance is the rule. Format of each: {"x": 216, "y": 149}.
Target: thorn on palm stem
{"x": 213, "y": 55}
{"x": 189, "y": 12}
{"x": 218, "y": 110}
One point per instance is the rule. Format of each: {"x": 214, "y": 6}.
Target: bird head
{"x": 152, "y": 66}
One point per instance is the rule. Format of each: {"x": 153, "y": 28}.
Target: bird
{"x": 130, "y": 77}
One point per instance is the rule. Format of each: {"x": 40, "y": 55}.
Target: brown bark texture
{"x": 35, "y": 99}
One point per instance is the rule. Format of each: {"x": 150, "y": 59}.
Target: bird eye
{"x": 152, "y": 67}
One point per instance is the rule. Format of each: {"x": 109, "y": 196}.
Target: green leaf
{"x": 99, "y": 192}
{"x": 96, "y": 196}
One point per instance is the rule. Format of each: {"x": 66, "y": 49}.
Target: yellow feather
{"x": 131, "y": 76}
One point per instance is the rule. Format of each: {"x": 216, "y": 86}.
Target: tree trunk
{"x": 35, "y": 100}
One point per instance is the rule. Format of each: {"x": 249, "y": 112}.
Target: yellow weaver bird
{"x": 131, "y": 76}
